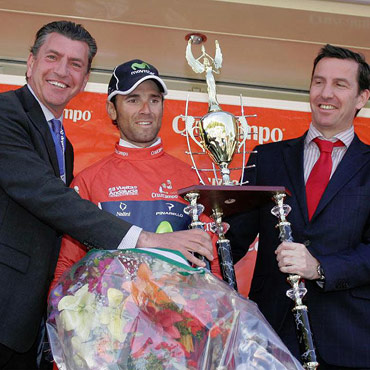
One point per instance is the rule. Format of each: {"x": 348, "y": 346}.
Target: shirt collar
{"x": 345, "y": 136}
{"x": 48, "y": 115}
{"x": 127, "y": 144}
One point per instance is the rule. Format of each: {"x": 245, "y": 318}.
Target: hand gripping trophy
{"x": 219, "y": 134}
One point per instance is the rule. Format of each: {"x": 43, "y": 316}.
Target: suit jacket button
{"x": 306, "y": 243}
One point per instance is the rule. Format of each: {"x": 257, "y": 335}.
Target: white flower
{"x": 78, "y": 312}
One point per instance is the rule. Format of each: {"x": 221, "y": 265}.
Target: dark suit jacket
{"x": 338, "y": 236}
{"x": 36, "y": 208}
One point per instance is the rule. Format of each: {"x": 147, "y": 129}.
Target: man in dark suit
{"x": 36, "y": 206}
{"x": 332, "y": 239}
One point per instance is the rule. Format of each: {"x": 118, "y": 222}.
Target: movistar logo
{"x": 136, "y": 66}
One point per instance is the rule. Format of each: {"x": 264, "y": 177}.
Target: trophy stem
{"x": 194, "y": 210}
{"x": 224, "y": 250}
{"x": 297, "y": 290}
{"x": 225, "y": 173}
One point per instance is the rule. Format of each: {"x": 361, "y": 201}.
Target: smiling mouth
{"x": 58, "y": 84}
{"x": 327, "y": 106}
{"x": 144, "y": 123}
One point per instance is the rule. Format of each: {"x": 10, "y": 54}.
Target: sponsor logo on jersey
{"x": 170, "y": 206}
{"x": 123, "y": 207}
{"x": 119, "y": 191}
{"x": 120, "y": 152}
{"x": 154, "y": 152}
{"x": 163, "y": 191}
{"x": 169, "y": 212}
{"x": 167, "y": 185}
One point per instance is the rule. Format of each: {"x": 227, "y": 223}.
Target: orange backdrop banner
{"x": 93, "y": 135}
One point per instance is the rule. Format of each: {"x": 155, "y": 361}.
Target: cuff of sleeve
{"x": 130, "y": 239}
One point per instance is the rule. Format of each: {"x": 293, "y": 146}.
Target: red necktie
{"x": 320, "y": 174}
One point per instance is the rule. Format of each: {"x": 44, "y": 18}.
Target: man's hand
{"x": 186, "y": 241}
{"x": 294, "y": 258}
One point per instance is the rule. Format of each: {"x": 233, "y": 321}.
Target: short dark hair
{"x": 363, "y": 75}
{"x": 68, "y": 29}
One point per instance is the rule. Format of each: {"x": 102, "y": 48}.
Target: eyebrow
{"x": 59, "y": 54}
{"x": 335, "y": 78}
{"x": 138, "y": 95}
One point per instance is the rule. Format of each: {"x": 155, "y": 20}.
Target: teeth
{"x": 327, "y": 106}
{"x": 55, "y": 83}
{"x": 144, "y": 123}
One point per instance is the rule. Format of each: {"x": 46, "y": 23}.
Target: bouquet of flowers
{"x": 137, "y": 309}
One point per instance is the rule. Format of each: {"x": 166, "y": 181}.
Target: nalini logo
{"x": 122, "y": 207}
{"x": 136, "y": 66}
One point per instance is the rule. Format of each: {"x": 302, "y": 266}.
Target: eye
{"x": 77, "y": 65}
{"x": 156, "y": 101}
{"x": 51, "y": 57}
{"x": 341, "y": 85}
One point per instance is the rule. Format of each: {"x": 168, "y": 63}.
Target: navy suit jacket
{"x": 338, "y": 235}
{"x": 36, "y": 208}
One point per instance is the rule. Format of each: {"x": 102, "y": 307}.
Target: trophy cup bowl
{"x": 219, "y": 136}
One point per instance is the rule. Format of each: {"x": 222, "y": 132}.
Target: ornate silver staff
{"x": 194, "y": 210}
{"x": 297, "y": 290}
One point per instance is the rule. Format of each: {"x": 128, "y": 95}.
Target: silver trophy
{"x": 220, "y": 135}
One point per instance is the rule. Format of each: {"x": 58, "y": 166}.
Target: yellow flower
{"x": 78, "y": 311}
{"x": 112, "y": 316}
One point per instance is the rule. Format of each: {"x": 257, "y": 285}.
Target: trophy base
{"x": 232, "y": 199}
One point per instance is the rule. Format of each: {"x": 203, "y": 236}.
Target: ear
{"x": 111, "y": 110}
{"x": 86, "y": 78}
{"x": 363, "y": 98}
{"x": 30, "y": 61}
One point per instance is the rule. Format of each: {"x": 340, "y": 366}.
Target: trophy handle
{"x": 190, "y": 127}
{"x": 245, "y": 129}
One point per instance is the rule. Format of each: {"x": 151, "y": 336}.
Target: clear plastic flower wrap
{"x": 137, "y": 309}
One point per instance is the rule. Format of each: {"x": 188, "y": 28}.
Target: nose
{"x": 145, "y": 108}
{"x": 327, "y": 91}
{"x": 61, "y": 68}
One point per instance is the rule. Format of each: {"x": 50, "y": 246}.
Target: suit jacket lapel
{"x": 69, "y": 162}
{"x": 293, "y": 159}
{"x": 354, "y": 159}
{"x": 36, "y": 116}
